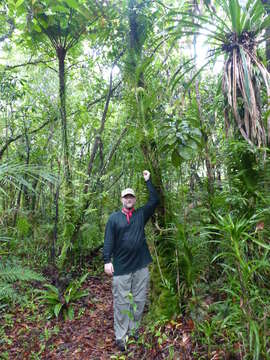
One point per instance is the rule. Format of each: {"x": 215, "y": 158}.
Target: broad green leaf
{"x": 235, "y": 12}
{"x": 37, "y": 28}
{"x": 60, "y": 8}
{"x": 67, "y": 298}
{"x": 193, "y": 145}
{"x": 83, "y": 278}
{"x": 52, "y": 302}
{"x": 52, "y": 288}
{"x": 57, "y": 309}
{"x": 80, "y": 294}
{"x": 70, "y": 313}
{"x": 176, "y": 159}
{"x": 72, "y": 3}
{"x": 185, "y": 152}
{"x": 49, "y": 297}
{"x": 19, "y": 3}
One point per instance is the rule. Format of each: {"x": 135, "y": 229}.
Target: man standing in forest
{"x": 125, "y": 242}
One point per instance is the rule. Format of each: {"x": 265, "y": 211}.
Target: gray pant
{"x": 128, "y": 309}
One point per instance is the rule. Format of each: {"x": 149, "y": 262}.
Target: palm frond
{"x": 15, "y": 174}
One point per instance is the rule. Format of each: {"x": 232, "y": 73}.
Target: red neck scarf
{"x": 128, "y": 213}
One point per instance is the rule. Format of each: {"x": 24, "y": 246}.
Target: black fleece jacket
{"x": 126, "y": 242}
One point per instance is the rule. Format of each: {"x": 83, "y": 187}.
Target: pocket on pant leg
{"x": 140, "y": 284}
{"x": 121, "y": 288}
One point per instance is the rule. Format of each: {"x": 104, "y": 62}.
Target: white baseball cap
{"x": 127, "y": 191}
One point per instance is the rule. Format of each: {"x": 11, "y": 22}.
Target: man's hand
{"x": 108, "y": 268}
{"x": 146, "y": 175}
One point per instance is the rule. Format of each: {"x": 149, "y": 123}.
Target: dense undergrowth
{"x": 214, "y": 283}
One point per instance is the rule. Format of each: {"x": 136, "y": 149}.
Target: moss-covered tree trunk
{"x": 139, "y": 30}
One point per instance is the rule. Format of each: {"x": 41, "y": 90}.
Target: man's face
{"x": 128, "y": 201}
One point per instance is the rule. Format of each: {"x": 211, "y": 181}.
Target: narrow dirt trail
{"x": 90, "y": 335}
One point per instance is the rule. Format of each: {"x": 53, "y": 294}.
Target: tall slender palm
{"x": 60, "y": 25}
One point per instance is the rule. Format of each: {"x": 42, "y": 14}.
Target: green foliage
{"x": 14, "y": 174}
{"x": 23, "y": 227}
{"x": 243, "y": 165}
{"x": 60, "y": 302}
{"x": 236, "y": 240}
{"x": 181, "y": 140}
{"x": 10, "y": 273}
{"x": 189, "y": 265}
{"x": 233, "y": 31}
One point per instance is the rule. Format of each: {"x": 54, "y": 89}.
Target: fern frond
{"x": 8, "y": 293}
{"x": 11, "y": 273}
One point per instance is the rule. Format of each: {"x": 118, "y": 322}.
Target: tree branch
{"x": 11, "y": 140}
{"x": 97, "y": 139}
{"x": 113, "y": 151}
{"x": 35, "y": 62}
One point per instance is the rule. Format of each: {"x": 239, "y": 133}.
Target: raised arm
{"x": 149, "y": 207}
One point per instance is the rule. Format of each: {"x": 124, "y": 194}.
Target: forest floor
{"x": 29, "y": 335}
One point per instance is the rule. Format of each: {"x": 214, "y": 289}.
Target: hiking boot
{"x": 121, "y": 345}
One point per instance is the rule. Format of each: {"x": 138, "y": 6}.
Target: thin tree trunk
{"x": 148, "y": 150}
{"x": 86, "y": 204}
{"x": 25, "y": 190}
{"x": 209, "y": 167}
{"x": 22, "y": 187}
{"x": 61, "y": 54}
{"x": 55, "y": 229}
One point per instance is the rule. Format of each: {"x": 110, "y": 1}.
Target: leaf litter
{"x": 90, "y": 335}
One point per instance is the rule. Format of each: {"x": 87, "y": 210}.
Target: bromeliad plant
{"x": 60, "y": 302}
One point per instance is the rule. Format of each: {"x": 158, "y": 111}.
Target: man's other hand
{"x": 146, "y": 175}
{"x": 108, "y": 268}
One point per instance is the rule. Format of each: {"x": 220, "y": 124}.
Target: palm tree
{"x": 236, "y": 32}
